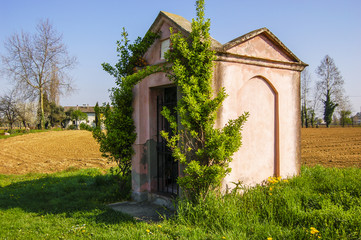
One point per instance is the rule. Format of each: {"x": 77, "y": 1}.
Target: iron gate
{"x": 167, "y": 167}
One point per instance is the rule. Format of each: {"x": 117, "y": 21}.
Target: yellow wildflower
{"x": 270, "y": 180}
{"x": 270, "y": 188}
{"x": 159, "y": 226}
{"x": 269, "y": 238}
{"x": 148, "y": 231}
{"x": 314, "y": 230}
{"x": 223, "y": 237}
{"x": 270, "y": 194}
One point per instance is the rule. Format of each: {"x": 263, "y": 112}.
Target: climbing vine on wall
{"x": 204, "y": 150}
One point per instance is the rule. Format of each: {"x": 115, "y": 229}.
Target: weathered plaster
{"x": 249, "y": 89}
{"x": 260, "y": 75}
{"x": 260, "y": 47}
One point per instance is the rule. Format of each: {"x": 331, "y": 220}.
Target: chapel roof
{"x": 186, "y": 27}
{"x": 182, "y": 24}
{"x": 257, "y": 32}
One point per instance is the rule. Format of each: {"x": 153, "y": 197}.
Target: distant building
{"x": 356, "y": 120}
{"x": 89, "y": 110}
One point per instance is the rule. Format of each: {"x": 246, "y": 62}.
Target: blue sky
{"x": 310, "y": 29}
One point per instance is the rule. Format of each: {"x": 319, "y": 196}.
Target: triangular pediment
{"x": 173, "y": 20}
{"x": 162, "y": 25}
{"x": 261, "y": 44}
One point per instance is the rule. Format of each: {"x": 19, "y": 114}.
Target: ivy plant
{"x": 204, "y": 150}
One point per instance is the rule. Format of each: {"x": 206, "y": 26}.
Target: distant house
{"x": 89, "y": 110}
{"x": 260, "y": 75}
{"x": 356, "y": 120}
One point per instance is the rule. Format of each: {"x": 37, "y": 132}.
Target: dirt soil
{"x": 331, "y": 147}
{"x": 49, "y": 152}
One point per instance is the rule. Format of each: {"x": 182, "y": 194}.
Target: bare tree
{"x": 8, "y": 108}
{"x": 26, "y": 112}
{"x": 305, "y": 90}
{"x": 330, "y": 86}
{"x": 344, "y": 111}
{"x": 35, "y": 61}
{"x": 54, "y": 90}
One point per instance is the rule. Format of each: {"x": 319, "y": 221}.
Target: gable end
{"x": 269, "y": 37}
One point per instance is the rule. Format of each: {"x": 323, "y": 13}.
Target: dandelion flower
{"x": 314, "y": 231}
{"x": 159, "y": 226}
{"x": 223, "y": 237}
{"x": 269, "y": 238}
{"x": 148, "y": 231}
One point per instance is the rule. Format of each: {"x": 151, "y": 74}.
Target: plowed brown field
{"x": 55, "y": 151}
{"x": 331, "y": 147}
{"x": 48, "y": 152}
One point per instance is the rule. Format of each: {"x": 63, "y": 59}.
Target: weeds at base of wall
{"x": 321, "y": 203}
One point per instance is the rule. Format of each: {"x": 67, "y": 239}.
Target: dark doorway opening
{"x": 167, "y": 167}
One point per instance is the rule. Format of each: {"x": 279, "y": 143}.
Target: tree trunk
{"x": 42, "y": 117}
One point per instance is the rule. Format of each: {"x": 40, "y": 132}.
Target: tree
{"x": 38, "y": 63}
{"x": 78, "y": 115}
{"x": 330, "y": 85}
{"x": 97, "y": 120}
{"x": 68, "y": 117}
{"x": 117, "y": 142}
{"x": 205, "y": 151}
{"x": 57, "y": 114}
{"x": 345, "y": 117}
{"x": 305, "y": 89}
{"x": 26, "y": 113}
{"x": 8, "y": 108}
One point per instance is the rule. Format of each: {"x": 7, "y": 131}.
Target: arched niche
{"x": 260, "y": 149}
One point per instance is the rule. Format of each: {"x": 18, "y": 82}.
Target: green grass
{"x": 72, "y": 205}
{"x": 18, "y": 132}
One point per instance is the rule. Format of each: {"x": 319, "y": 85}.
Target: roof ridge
{"x": 255, "y": 33}
{"x": 182, "y": 23}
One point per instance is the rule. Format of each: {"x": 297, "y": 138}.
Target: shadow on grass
{"x": 67, "y": 192}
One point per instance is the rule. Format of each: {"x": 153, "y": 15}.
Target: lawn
{"x": 323, "y": 202}
{"x": 19, "y": 132}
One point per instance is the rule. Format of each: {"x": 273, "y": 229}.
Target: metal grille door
{"x": 167, "y": 167}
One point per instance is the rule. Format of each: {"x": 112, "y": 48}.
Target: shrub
{"x": 71, "y": 127}
{"x": 84, "y": 126}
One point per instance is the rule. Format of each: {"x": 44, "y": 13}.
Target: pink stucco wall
{"x": 260, "y": 47}
{"x": 255, "y": 89}
{"x": 261, "y": 77}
